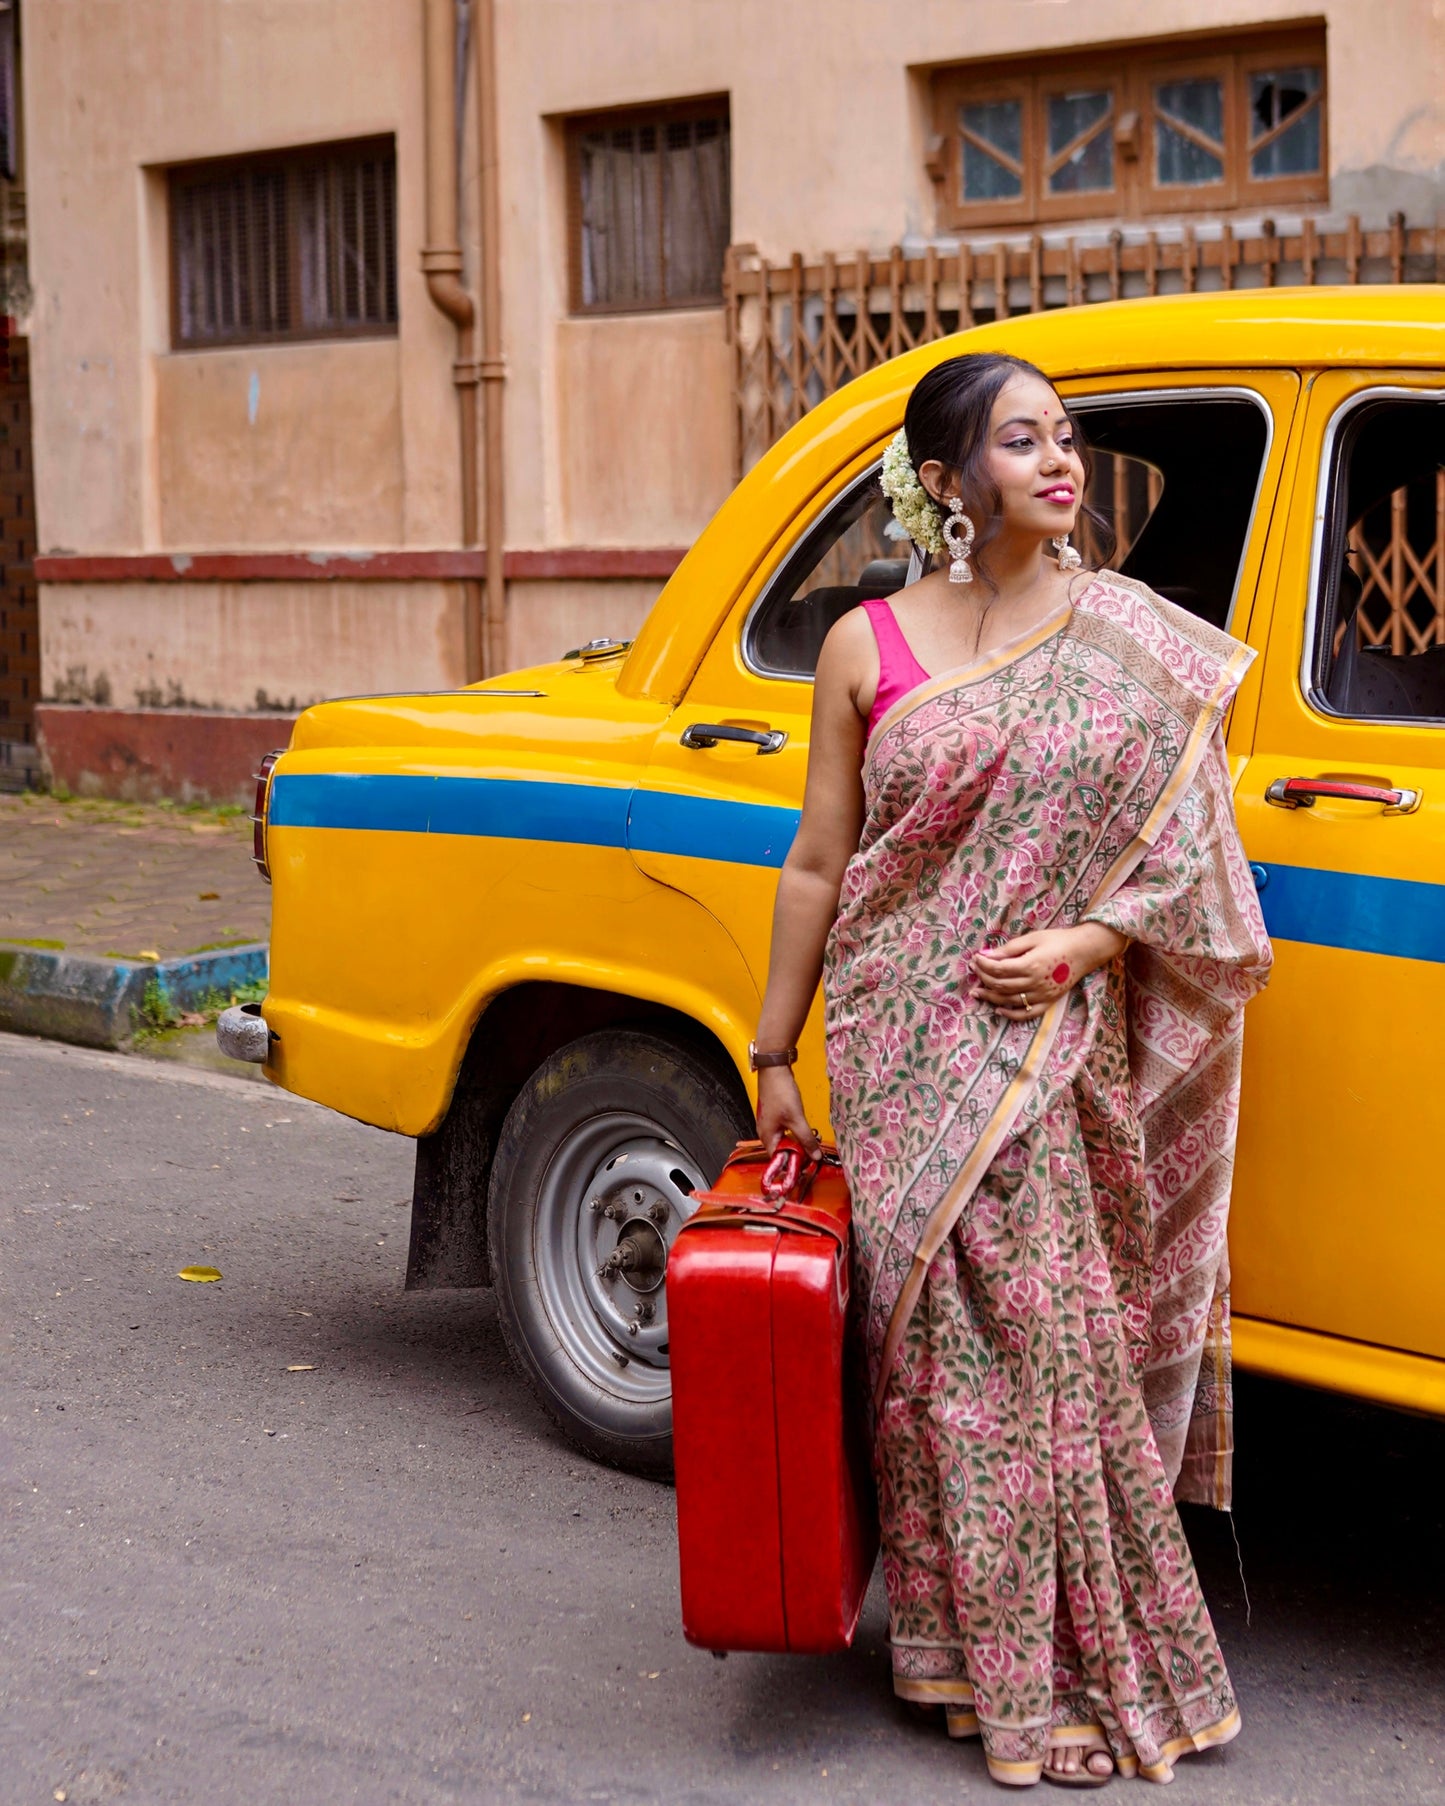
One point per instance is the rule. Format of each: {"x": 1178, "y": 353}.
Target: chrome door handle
{"x": 703, "y": 734}
{"x": 1304, "y": 793}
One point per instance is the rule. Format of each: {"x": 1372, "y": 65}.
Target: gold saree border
{"x": 955, "y": 1200}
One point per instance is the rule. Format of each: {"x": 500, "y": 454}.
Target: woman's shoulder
{"x": 1176, "y": 638}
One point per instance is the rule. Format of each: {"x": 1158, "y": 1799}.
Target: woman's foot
{"x": 1073, "y": 1765}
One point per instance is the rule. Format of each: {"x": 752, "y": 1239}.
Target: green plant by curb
{"x": 157, "y": 1017}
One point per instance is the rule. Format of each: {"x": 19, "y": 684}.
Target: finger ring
{"x": 1027, "y": 1005}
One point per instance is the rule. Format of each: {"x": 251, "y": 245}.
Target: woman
{"x": 1036, "y": 932}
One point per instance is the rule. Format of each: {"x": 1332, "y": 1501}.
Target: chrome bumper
{"x": 242, "y": 1034}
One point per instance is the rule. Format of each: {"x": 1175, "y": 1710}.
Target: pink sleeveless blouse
{"x": 898, "y": 670}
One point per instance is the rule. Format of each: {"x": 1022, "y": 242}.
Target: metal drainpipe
{"x": 493, "y": 365}
{"x": 441, "y": 261}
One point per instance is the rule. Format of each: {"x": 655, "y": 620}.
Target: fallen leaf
{"x": 192, "y": 1019}
{"x": 302, "y": 1367}
{"x": 202, "y": 1275}
{"x": 526, "y": 1718}
{"x": 149, "y": 953}
{"x": 208, "y": 896}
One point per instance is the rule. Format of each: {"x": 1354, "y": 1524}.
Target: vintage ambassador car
{"x": 527, "y": 922}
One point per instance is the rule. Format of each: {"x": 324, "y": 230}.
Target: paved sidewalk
{"x": 127, "y": 880}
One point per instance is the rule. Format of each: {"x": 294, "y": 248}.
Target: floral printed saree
{"x": 1039, "y": 1207}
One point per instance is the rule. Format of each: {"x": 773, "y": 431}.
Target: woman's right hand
{"x": 780, "y": 1110}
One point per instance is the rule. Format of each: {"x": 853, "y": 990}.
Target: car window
{"x": 1154, "y": 457}
{"x": 847, "y": 556}
{"x": 1176, "y": 473}
{"x": 1379, "y": 642}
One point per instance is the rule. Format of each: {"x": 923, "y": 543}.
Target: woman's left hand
{"x": 1024, "y": 976}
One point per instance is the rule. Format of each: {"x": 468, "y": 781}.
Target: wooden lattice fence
{"x": 1397, "y": 550}
{"x": 801, "y": 330}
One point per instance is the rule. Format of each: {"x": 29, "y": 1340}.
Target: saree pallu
{"x": 1039, "y": 1207}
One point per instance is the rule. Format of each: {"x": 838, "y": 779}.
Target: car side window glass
{"x": 847, "y": 556}
{"x": 1176, "y": 476}
{"x": 1379, "y": 643}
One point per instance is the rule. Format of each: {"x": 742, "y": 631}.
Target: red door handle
{"x": 1304, "y": 793}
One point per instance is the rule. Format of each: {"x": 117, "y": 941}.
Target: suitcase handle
{"x": 788, "y": 1177}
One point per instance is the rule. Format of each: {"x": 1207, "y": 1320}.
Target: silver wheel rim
{"x": 610, "y": 1205}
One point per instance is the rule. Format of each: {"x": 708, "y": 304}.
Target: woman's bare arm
{"x": 812, "y": 874}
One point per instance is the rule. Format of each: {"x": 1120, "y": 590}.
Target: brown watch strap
{"x": 786, "y": 1056}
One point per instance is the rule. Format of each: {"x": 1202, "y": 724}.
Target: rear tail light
{"x": 258, "y": 819}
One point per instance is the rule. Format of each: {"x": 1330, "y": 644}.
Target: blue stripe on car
{"x": 591, "y": 815}
{"x": 649, "y": 821}
{"x": 1354, "y": 911}
{"x": 1349, "y": 910}
{"x": 708, "y": 827}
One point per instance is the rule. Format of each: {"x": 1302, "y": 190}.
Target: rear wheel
{"x": 593, "y": 1177}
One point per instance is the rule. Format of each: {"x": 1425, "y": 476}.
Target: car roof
{"x": 1395, "y": 323}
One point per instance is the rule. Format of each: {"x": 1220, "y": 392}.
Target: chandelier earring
{"x": 1069, "y": 559}
{"x": 959, "y": 543}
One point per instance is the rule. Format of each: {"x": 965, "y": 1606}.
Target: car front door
{"x": 1338, "y": 1221}
{"x": 718, "y": 807}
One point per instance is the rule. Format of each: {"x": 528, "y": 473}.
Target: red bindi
{"x": 1059, "y": 974}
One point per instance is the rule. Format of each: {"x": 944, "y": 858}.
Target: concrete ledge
{"x": 138, "y": 755}
{"x": 101, "y": 1002}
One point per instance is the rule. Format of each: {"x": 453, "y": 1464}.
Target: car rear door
{"x": 1338, "y": 1222}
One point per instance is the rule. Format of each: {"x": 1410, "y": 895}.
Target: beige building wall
{"x": 268, "y": 646}
{"x": 618, "y": 429}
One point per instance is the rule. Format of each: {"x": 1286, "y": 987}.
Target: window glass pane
{"x": 621, "y": 217}
{"x": 846, "y": 558}
{"x": 1275, "y": 96}
{"x": 1381, "y": 615}
{"x": 285, "y": 246}
{"x": 989, "y": 177}
{"x": 696, "y": 210}
{"x": 1186, "y": 112}
{"x": 1153, "y": 460}
{"x": 656, "y": 212}
{"x": 1091, "y": 165}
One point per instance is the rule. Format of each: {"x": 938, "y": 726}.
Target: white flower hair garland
{"x": 913, "y": 507}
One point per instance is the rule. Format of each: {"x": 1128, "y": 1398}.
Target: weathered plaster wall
{"x": 658, "y": 481}
{"x": 279, "y": 447}
{"x": 247, "y": 645}
{"x": 115, "y": 91}
{"x": 546, "y": 619}
{"x": 617, "y": 431}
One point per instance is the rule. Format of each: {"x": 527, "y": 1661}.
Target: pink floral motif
{"x": 1016, "y": 1478}
{"x": 1027, "y": 1294}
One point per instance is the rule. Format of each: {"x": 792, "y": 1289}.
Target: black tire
{"x": 594, "y": 1168}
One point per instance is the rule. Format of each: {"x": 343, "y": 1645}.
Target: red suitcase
{"x": 776, "y": 1524}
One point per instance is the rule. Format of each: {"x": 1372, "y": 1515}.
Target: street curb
{"x": 100, "y": 1002}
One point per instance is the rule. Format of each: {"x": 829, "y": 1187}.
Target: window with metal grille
{"x": 287, "y": 245}
{"x": 649, "y": 205}
{"x": 1207, "y": 124}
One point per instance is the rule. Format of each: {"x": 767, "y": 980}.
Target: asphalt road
{"x": 385, "y": 1579}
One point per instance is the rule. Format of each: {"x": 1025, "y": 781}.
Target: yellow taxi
{"x": 527, "y": 922}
